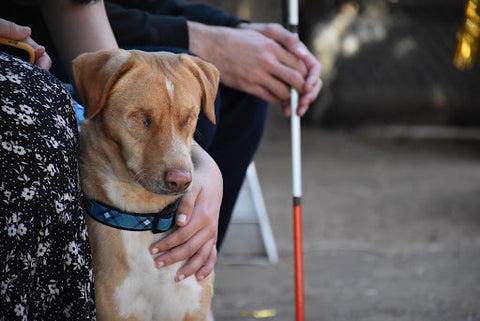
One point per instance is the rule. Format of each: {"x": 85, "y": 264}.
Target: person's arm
{"x": 160, "y": 23}
{"x": 197, "y": 221}
{"x": 137, "y": 27}
{"x": 191, "y": 11}
{"x": 77, "y": 28}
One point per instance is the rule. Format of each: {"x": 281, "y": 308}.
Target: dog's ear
{"x": 209, "y": 77}
{"x": 96, "y": 73}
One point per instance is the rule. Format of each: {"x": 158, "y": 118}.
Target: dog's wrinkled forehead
{"x": 156, "y": 82}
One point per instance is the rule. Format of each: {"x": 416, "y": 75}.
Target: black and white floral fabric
{"x": 45, "y": 264}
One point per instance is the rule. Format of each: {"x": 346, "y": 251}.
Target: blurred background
{"x": 384, "y": 62}
{"x": 391, "y": 172}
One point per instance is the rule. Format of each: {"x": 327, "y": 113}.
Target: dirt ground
{"x": 391, "y": 230}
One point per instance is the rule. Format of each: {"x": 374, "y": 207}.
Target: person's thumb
{"x": 13, "y": 31}
{"x": 185, "y": 209}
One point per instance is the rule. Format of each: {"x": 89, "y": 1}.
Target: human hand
{"x": 249, "y": 61}
{"x": 11, "y": 30}
{"x": 292, "y": 43}
{"x": 197, "y": 220}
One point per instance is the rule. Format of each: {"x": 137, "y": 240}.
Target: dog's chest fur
{"x": 155, "y": 294}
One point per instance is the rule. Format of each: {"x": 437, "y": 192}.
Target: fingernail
{"x": 308, "y": 86}
{"x": 25, "y": 29}
{"x": 154, "y": 250}
{"x": 201, "y": 277}
{"x": 160, "y": 264}
{"x": 181, "y": 218}
{"x": 301, "y": 50}
{"x": 181, "y": 277}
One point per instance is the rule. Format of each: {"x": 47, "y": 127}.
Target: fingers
{"x": 171, "y": 243}
{"x": 278, "y": 53}
{"x": 199, "y": 253}
{"x": 312, "y": 85}
{"x": 13, "y": 31}
{"x": 263, "y": 93}
{"x": 289, "y": 70}
{"x": 202, "y": 263}
{"x": 207, "y": 268}
{"x": 304, "y": 100}
{"x": 278, "y": 33}
{"x": 185, "y": 209}
{"x": 314, "y": 68}
{"x": 287, "y": 111}
{"x": 42, "y": 59}
{"x": 196, "y": 257}
{"x": 16, "y": 32}
{"x": 286, "y": 66}
{"x": 44, "y": 62}
{"x": 278, "y": 71}
{"x": 285, "y": 38}
{"x": 293, "y": 56}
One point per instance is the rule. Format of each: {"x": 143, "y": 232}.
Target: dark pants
{"x": 232, "y": 143}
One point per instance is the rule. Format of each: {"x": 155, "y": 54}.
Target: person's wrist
{"x": 200, "y": 36}
{"x": 205, "y": 40}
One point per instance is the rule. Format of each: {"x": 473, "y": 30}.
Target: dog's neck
{"x": 156, "y": 222}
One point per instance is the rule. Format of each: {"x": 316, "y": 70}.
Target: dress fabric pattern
{"x": 45, "y": 270}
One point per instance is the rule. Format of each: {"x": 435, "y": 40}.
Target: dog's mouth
{"x": 161, "y": 188}
{"x": 166, "y": 192}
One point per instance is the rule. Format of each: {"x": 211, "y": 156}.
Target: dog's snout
{"x": 178, "y": 180}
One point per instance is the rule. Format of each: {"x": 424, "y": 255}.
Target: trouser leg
{"x": 235, "y": 140}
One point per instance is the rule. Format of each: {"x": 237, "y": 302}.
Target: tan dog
{"x": 141, "y": 111}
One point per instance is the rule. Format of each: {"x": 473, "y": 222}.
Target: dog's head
{"x": 146, "y": 105}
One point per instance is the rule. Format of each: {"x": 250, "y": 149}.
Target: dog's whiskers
{"x": 139, "y": 176}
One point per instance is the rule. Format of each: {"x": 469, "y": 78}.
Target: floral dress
{"x": 45, "y": 263}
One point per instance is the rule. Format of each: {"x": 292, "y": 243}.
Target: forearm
{"x": 204, "y": 40}
{"x": 202, "y": 160}
{"x": 77, "y": 28}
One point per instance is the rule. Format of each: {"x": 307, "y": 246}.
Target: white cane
{"x": 297, "y": 178}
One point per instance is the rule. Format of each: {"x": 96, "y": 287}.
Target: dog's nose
{"x": 178, "y": 180}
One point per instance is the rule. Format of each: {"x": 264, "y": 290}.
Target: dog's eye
{"x": 147, "y": 122}
{"x": 188, "y": 121}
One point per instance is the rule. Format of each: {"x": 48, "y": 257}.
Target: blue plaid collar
{"x": 155, "y": 222}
